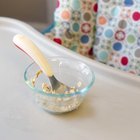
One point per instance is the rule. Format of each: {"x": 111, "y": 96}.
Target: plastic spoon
{"x": 25, "y": 44}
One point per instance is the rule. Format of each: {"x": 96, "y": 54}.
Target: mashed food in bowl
{"x": 47, "y": 88}
{"x": 56, "y": 104}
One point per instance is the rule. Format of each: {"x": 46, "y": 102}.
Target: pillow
{"x": 118, "y": 34}
{"x": 75, "y": 25}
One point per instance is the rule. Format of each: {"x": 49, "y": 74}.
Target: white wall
{"x": 28, "y": 10}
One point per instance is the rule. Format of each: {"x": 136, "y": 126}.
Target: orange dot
{"x": 102, "y": 20}
{"x": 65, "y": 15}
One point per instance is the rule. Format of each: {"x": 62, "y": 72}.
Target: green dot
{"x": 115, "y": 11}
{"x": 76, "y": 27}
{"x": 76, "y": 4}
{"x": 74, "y": 48}
{"x": 103, "y": 56}
{"x": 131, "y": 39}
{"x": 94, "y": 29}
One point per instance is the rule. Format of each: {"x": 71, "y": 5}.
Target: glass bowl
{"x": 69, "y": 71}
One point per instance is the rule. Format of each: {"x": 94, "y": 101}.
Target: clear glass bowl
{"x": 68, "y": 71}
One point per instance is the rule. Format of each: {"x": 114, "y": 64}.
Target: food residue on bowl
{"x": 47, "y": 88}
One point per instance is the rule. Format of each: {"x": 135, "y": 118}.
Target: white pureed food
{"x": 57, "y": 104}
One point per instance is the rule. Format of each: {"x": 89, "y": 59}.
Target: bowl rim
{"x": 38, "y": 91}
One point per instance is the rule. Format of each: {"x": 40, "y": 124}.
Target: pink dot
{"x": 58, "y": 40}
{"x": 95, "y": 7}
{"x": 57, "y": 4}
{"x": 124, "y": 60}
{"x": 136, "y": 16}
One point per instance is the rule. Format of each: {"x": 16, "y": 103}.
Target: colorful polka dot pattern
{"x": 118, "y": 34}
{"x": 75, "y": 25}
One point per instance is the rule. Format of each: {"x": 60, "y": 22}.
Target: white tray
{"x": 111, "y": 110}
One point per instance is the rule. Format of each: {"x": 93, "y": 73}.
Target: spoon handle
{"x": 25, "y": 44}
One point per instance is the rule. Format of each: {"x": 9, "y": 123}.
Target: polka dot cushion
{"x": 118, "y": 34}
{"x": 75, "y": 25}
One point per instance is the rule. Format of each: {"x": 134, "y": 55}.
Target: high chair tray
{"x": 111, "y": 110}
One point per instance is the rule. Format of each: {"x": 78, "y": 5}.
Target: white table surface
{"x": 111, "y": 110}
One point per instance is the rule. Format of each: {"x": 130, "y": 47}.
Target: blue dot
{"x": 128, "y": 2}
{"x": 108, "y": 33}
{"x": 117, "y": 46}
{"x": 84, "y": 39}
